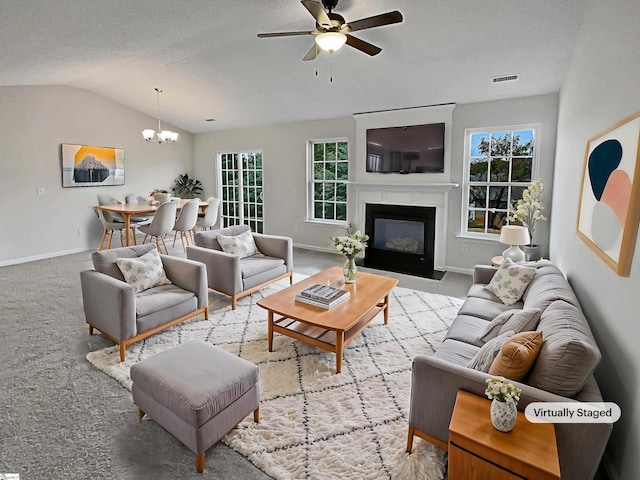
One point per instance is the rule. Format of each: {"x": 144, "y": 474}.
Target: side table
{"x": 477, "y": 451}
{"x": 497, "y": 260}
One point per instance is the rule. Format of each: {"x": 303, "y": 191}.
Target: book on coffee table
{"x": 323, "y": 296}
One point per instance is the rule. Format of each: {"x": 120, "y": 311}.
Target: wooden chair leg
{"x": 104, "y": 234}
{"x": 174, "y": 238}
{"x": 234, "y": 300}
{"x": 410, "y": 439}
{"x": 110, "y": 238}
{"x": 165, "y": 246}
{"x": 256, "y": 415}
{"x": 140, "y": 415}
{"x": 133, "y": 234}
{"x": 123, "y": 352}
{"x": 200, "y": 462}
{"x": 145, "y": 238}
{"x": 90, "y": 329}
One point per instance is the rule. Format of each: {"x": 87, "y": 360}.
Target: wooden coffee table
{"x": 331, "y": 329}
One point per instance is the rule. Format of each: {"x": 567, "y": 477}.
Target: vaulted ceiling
{"x": 206, "y": 57}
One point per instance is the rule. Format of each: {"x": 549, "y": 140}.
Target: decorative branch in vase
{"x": 349, "y": 246}
{"x": 528, "y": 211}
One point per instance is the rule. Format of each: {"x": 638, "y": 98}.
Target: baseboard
{"x": 466, "y": 271}
{"x": 44, "y": 256}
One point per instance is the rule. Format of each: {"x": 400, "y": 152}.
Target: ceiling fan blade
{"x": 316, "y": 9}
{"x": 363, "y": 46}
{"x": 375, "y": 21}
{"x": 286, "y": 34}
{"x": 313, "y": 53}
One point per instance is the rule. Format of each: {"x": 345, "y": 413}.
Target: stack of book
{"x": 322, "y": 296}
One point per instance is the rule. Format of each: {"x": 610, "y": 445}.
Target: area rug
{"x": 314, "y": 423}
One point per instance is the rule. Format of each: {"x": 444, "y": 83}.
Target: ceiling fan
{"x": 332, "y": 31}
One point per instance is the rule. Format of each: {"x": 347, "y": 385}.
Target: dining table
{"x": 127, "y": 210}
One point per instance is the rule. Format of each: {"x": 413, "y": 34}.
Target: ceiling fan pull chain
{"x": 331, "y": 72}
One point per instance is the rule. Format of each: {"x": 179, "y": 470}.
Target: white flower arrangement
{"x": 499, "y": 389}
{"x": 528, "y": 209}
{"x": 350, "y": 245}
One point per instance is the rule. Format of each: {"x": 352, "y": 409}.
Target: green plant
{"x": 499, "y": 389}
{"x": 187, "y": 187}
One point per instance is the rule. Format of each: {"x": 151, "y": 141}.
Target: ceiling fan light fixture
{"x": 331, "y": 41}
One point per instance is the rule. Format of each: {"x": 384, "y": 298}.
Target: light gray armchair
{"x": 237, "y": 277}
{"x": 112, "y": 307}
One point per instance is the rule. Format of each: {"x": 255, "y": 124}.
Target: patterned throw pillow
{"x": 484, "y": 357}
{"x": 242, "y": 245}
{"x": 516, "y": 320}
{"x": 510, "y": 281}
{"x": 143, "y": 272}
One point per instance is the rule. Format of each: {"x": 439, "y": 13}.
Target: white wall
{"x": 542, "y": 109}
{"x": 34, "y": 121}
{"x": 284, "y": 171}
{"x": 602, "y": 88}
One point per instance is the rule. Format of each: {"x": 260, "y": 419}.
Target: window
{"x": 328, "y": 176}
{"x": 240, "y": 181}
{"x": 499, "y": 165}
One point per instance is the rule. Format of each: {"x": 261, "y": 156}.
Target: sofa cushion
{"x": 517, "y": 356}
{"x": 456, "y": 352}
{"x": 241, "y": 245}
{"x": 569, "y": 353}
{"x": 208, "y": 239}
{"x": 510, "y": 281}
{"x": 143, "y": 272}
{"x": 484, "y": 357}
{"x": 104, "y": 261}
{"x": 468, "y": 329}
{"x": 487, "y": 309}
{"x": 516, "y": 320}
{"x": 160, "y": 298}
{"x": 547, "y": 286}
{"x": 257, "y": 264}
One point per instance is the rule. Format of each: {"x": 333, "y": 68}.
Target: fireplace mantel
{"x": 424, "y": 194}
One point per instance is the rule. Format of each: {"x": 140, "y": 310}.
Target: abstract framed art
{"x": 609, "y": 208}
{"x": 87, "y": 166}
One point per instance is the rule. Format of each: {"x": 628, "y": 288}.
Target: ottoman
{"x": 197, "y": 392}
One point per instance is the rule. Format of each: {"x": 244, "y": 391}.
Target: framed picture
{"x": 87, "y": 166}
{"x": 609, "y": 207}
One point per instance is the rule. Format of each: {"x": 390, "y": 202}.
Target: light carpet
{"x": 314, "y": 423}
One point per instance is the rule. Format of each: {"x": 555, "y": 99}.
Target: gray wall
{"x": 541, "y": 109}
{"x": 602, "y": 88}
{"x": 34, "y": 121}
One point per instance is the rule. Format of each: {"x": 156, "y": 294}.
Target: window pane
{"x": 523, "y": 143}
{"x": 475, "y": 223}
{"x": 343, "y": 151}
{"x": 478, "y": 197}
{"x": 495, "y": 221}
{"x": 521, "y": 169}
{"x": 259, "y": 163}
{"x": 330, "y": 171}
{"x": 318, "y": 171}
{"x": 499, "y": 170}
{"x": 328, "y": 211}
{"x": 329, "y": 191}
{"x": 478, "y": 169}
{"x": 498, "y": 196}
{"x": 341, "y": 211}
{"x": 317, "y": 206}
{"x": 479, "y": 144}
{"x": 516, "y": 193}
{"x": 318, "y": 190}
{"x": 500, "y": 144}
{"x": 343, "y": 171}
{"x": 341, "y": 192}
{"x": 318, "y": 152}
{"x": 330, "y": 151}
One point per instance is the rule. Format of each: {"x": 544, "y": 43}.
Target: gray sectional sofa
{"x": 563, "y": 371}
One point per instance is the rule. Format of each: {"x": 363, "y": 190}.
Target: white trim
{"x": 44, "y": 256}
{"x": 311, "y": 181}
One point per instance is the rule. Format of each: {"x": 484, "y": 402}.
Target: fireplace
{"x": 401, "y": 239}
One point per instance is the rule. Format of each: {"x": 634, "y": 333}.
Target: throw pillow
{"x": 510, "y": 281}
{"x": 517, "y": 356}
{"x": 242, "y": 245}
{"x": 484, "y": 357}
{"x": 516, "y": 320}
{"x": 143, "y": 272}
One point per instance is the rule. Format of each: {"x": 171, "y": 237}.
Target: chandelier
{"x": 161, "y": 136}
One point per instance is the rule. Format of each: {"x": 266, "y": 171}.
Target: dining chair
{"x": 186, "y": 222}
{"x": 110, "y": 227}
{"x": 105, "y": 199}
{"x": 210, "y": 215}
{"x": 161, "y": 224}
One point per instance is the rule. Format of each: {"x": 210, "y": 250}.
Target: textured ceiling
{"x": 206, "y": 57}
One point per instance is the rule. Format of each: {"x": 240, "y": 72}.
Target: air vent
{"x": 505, "y": 78}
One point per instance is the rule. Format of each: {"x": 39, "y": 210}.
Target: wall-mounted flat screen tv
{"x": 409, "y": 149}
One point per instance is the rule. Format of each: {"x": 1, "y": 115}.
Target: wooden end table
{"x": 332, "y": 329}
{"x": 477, "y": 451}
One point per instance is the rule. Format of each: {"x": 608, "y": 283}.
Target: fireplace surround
{"x": 401, "y": 239}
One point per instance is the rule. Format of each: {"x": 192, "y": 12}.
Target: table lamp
{"x": 515, "y": 236}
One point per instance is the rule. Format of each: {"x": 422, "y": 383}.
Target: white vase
{"x": 349, "y": 270}
{"x": 503, "y": 415}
